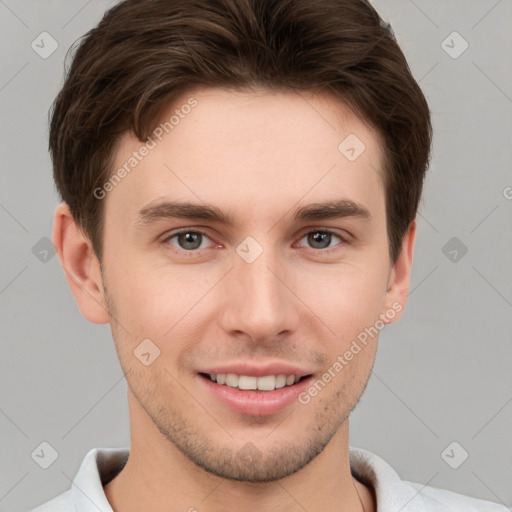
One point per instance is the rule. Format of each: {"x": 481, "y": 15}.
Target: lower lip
{"x": 256, "y": 403}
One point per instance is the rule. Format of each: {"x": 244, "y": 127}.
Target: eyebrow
{"x": 186, "y": 210}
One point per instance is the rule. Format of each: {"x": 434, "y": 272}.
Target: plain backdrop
{"x": 443, "y": 372}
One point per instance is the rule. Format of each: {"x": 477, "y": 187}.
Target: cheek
{"x": 151, "y": 301}
{"x": 346, "y": 298}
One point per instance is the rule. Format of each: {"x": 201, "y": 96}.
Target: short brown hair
{"x": 144, "y": 53}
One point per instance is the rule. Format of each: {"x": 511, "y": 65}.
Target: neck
{"x": 157, "y": 476}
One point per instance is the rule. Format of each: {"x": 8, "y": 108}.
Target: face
{"x": 248, "y": 249}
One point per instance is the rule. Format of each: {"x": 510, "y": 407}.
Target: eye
{"x": 188, "y": 240}
{"x": 321, "y": 239}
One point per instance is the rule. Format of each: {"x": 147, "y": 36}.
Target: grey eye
{"x": 320, "y": 239}
{"x": 188, "y": 240}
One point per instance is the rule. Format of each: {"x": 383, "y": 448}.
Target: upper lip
{"x": 255, "y": 370}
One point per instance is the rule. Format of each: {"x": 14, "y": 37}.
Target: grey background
{"x": 443, "y": 373}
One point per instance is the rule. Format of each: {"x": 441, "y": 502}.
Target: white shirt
{"x": 100, "y": 465}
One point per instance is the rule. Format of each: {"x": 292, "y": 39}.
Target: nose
{"x": 258, "y": 300}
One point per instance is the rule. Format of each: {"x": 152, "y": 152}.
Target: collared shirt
{"x": 101, "y": 465}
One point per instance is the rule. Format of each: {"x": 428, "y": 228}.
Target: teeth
{"x": 280, "y": 381}
{"x": 267, "y": 383}
{"x": 232, "y": 380}
{"x": 247, "y": 382}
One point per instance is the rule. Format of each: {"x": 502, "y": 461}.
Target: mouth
{"x": 264, "y": 394}
{"x": 254, "y": 383}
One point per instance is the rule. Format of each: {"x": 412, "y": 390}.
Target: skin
{"x": 257, "y": 156}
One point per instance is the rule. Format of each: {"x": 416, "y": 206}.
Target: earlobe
{"x": 80, "y": 266}
{"x": 400, "y": 275}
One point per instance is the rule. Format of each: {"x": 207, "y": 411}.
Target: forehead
{"x": 235, "y": 148}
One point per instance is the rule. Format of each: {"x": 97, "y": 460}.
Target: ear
{"x": 80, "y": 265}
{"x": 399, "y": 278}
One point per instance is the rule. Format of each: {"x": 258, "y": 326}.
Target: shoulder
{"x": 61, "y": 503}
{"x": 447, "y": 501}
{"x": 98, "y": 467}
{"x": 393, "y": 493}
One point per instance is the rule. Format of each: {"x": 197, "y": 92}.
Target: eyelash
{"x": 192, "y": 252}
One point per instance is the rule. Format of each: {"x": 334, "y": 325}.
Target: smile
{"x": 262, "y": 395}
{"x": 252, "y": 383}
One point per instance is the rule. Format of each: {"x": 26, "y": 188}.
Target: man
{"x": 240, "y": 180}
